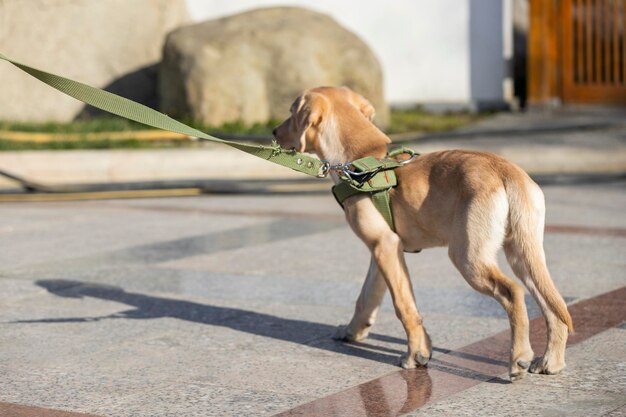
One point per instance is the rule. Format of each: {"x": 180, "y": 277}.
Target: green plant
{"x": 402, "y": 121}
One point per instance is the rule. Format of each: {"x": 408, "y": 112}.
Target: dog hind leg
{"x": 478, "y": 237}
{"x": 489, "y": 280}
{"x": 525, "y": 253}
{"x": 366, "y": 308}
{"x": 553, "y": 359}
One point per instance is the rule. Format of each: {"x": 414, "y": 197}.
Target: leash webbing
{"x": 129, "y": 109}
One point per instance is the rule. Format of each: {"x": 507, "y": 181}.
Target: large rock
{"x": 107, "y": 43}
{"x": 249, "y": 67}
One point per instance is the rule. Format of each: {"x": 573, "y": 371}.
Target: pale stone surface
{"x": 224, "y": 305}
{"x": 104, "y": 43}
{"x": 251, "y": 66}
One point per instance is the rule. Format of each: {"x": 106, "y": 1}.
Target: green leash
{"x": 365, "y": 175}
{"x": 138, "y": 112}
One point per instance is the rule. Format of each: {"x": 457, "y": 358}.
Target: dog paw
{"x": 519, "y": 367}
{"x": 410, "y": 361}
{"x": 519, "y": 371}
{"x": 343, "y": 333}
{"x": 546, "y": 365}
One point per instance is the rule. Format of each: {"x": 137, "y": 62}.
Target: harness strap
{"x": 377, "y": 186}
{"x": 375, "y": 177}
{"x": 383, "y": 205}
{"x": 129, "y": 109}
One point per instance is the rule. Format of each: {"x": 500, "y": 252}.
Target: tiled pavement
{"x": 224, "y": 305}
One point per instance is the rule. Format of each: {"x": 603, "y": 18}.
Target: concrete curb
{"x": 58, "y": 168}
{"x": 42, "y": 137}
{"x": 121, "y": 166}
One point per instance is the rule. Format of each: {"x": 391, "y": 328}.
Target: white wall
{"x": 423, "y": 45}
{"x": 486, "y": 64}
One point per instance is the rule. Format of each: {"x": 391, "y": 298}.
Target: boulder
{"x": 249, "y": 67}
{"x": 113, "y": 44}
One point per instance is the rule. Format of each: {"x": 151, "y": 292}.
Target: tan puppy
{"x": 473, "y": 202}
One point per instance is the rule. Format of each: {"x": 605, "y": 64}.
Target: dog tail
{"x": 526, "y": 221}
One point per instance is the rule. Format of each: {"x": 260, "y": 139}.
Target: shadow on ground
{"x": 316, "y": 335}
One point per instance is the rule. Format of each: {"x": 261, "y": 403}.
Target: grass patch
{"x": 114, "y": 124}
{"x": 104, "y": 124}
{"x": 239, "y": 127}
{"x": 418, "y": 120}
{"x": 402, "y": 121}
{"x": 58, "y": 145}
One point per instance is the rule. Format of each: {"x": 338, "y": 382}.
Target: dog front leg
{"x": 367, "y": 306}
{"x": 386, "y": 249}
{"x": 388, "y": 253}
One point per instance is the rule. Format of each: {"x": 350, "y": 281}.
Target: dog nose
{"x": 274, "y": 131}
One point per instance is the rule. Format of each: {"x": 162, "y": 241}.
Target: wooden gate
{"x": 593, "y": 51}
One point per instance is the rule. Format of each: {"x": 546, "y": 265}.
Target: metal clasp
{"x": 360, "y": 177}
{"x": 324, "y": 169}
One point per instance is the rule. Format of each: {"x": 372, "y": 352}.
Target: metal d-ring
{"x": 406, "y": 161}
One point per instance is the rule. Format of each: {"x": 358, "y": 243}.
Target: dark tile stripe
{"x": 17, "y": 410}
{"x": 406, "y": 390}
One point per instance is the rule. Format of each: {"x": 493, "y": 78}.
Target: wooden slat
{"x": 580, "y": 44}
{"x": 535, "y": 53}
{"x": 572, "y": 25}
{"x": 623, "y": 36}
{"x": 568, "y": 66}
{"x": 606, "y": 40}
{"x": 543, "y": 53}
{"x": 588, "y": 39}
{"x": 597, "y": 52}
{"x": 616, "y": 38}
{"x": 555, "y": 57}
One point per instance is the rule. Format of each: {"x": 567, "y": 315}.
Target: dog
{"x": 472, "y": 202}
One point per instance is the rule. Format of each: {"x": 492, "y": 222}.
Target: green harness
{"x": 373, "y": 176}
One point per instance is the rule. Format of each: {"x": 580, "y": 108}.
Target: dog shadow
{"x": 316, "y": 335}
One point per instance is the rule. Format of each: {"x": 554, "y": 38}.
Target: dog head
{"x": 319, "y": 111}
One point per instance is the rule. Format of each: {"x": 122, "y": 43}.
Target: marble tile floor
{"x": 224, "y": 305}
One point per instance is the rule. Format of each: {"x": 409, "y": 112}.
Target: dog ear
{"x": 309, "y": 110}
{"x": 367, "y": 109}
{"x": 361, "y": 103}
